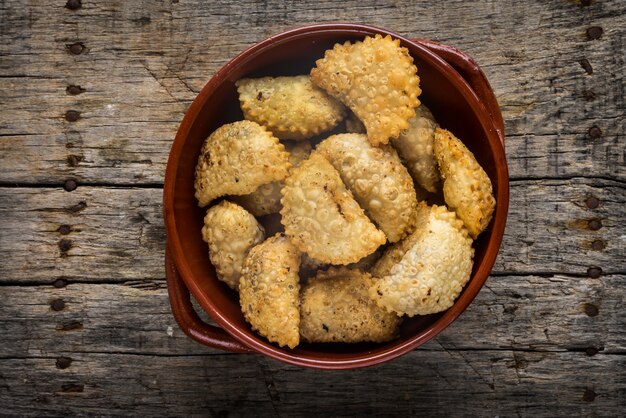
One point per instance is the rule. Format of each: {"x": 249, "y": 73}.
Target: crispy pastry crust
{"x": 290, "y": 107}
{"x": 431, "y": 273}
{"x": 230, "y": 232}
{"x": 467, "y": 188}
{"x": 336, "y": 308}
{"x": 321, "y": 216}
{"x": 236, "y": 159}
{"x": 376, "y": 79}
{"x": 376, "y": 178}
{"x": 269, "y": 290}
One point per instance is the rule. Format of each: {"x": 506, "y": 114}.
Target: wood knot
{"x": 73, "y": 160}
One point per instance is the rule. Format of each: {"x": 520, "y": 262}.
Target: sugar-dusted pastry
{"x": 466, "y": 187}
{"x": 376, "y": 178}
{"x": 291, "y": 107}
{"x": 230, "y": 232}
{"x": 269, "y": 290}
{"x": 430, "y": 274}
{"x": 415, "y": 146}
{"x": 236, "y": 159}
{"x": 321, "y": 216}
{"x": 336, "y": 307}
{"x": 266, "y": 199}
{"x": 376, "y": 79}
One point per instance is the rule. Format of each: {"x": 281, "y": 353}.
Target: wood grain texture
{"x": 530, "y": 313}
{"x": 142, "y": 66}
{"x": 432, "y": 382}
{"x": 545, "y": 336}
{"x": 113, "y": 230}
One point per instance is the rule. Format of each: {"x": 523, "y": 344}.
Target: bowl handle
{"x": 188, "y": 319}
{"x": 473, "y": 75}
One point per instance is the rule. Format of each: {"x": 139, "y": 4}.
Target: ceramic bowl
{"x": 458, "y": 94}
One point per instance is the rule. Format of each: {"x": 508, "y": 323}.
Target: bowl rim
{"x": 476, "y": 281}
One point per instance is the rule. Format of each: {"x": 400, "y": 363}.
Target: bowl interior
{"x": 218, "y": 104}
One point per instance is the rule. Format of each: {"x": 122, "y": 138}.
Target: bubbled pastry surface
{"x": 432, "y": 272}
{"x": 336, "y": 307}
{"x": 269, "y": 290}
{"x": 376, "y": 178}
{"x": 236, "y": 159}
{"x": 230, "y": 232}
{"x": 321, "y": 216}
{"x": 376, "y": 79}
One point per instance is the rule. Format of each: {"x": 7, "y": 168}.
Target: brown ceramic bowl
{"x": 456, "y": 91}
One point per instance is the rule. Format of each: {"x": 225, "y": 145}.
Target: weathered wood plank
{"x": 111, "y": 231}
{"x": 527, "y": 313}
{"x": 431, "y": 383}
{"x": 161, "y": 54}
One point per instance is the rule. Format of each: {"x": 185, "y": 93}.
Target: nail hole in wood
{"x": 594, "y": 32}
{"x": 76, "y": 48}
{"x": 586, "y": 66}
{"x": 595, "y": 224}
{"x": 65, "y": 245}
{"x": 70, "y": 185}
{"x": 73, "y": 4}
{"x": 59, "y": 283}
{"x": 69, "y": 326}
{"x": 74, "y": 90}
{"x": 592, "y": 202}
{"x": 598, "y": 245}
{"x": 591, "y": 309}
{"x": 64, "y": 229}
{"x": 594, "y": 272}
{"x": 594, "y": 132}
{"x": 63, "y": 362}
{"x": 589, "y": 395}
{"x": 57, "y": 305}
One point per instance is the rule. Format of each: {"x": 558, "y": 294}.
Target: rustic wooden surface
{"x": 84, "y": 319}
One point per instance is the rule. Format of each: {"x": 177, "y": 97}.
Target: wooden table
{"x": 90, "y": 101}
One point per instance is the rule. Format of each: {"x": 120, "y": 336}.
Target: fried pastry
{"x": 430, "y": 275}
{"x": 376, "y": 79}
{"x": 376, "y": 178}
{"x": 236, "y": 159}
{"x": 466, "y": 187}
{"x": 321, "y": 216}
{"x": 415, "y": 146}
{"x": 230, "y": 232}
{"x": 269, "y": 290}
{"x": 290, "y": 107}
{"x": 266, "y": 199}
{"x": 336, "y": 307}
